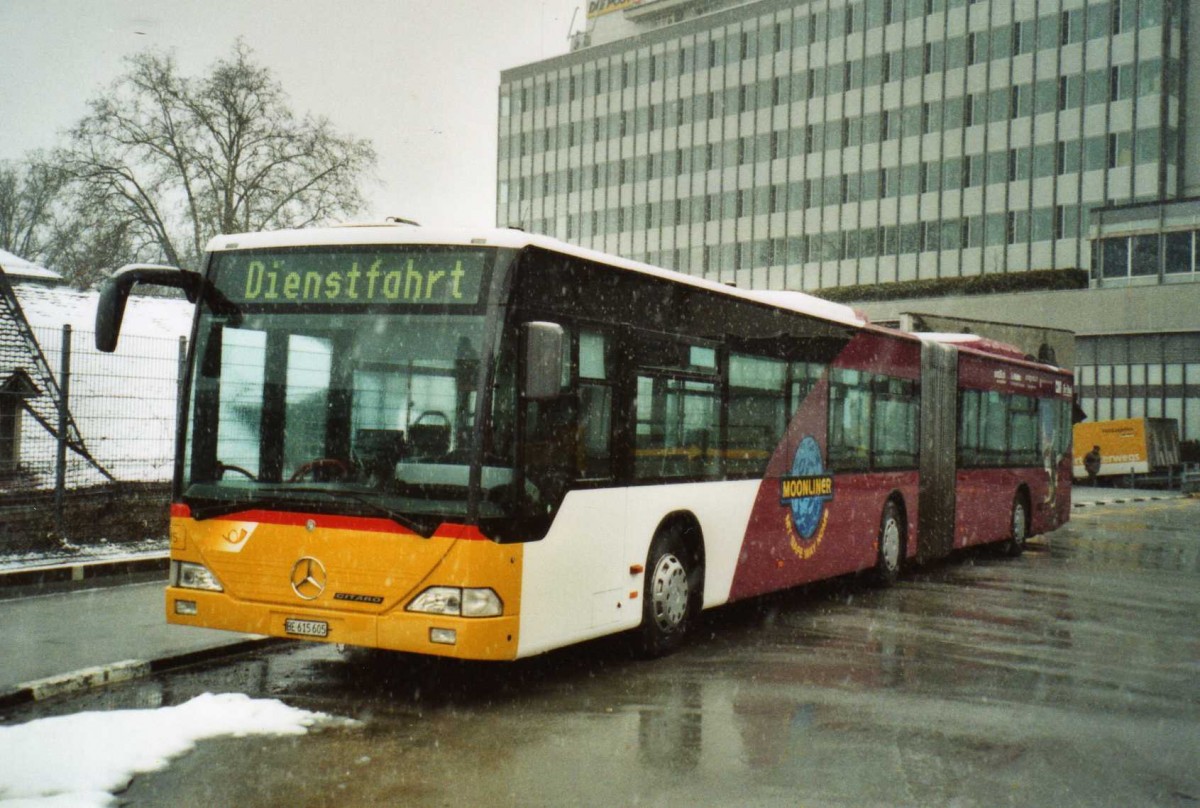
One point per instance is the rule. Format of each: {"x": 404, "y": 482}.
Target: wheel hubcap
{"x": 890, "y": 549}
{"x": 1018, "y": 525}
{"x": 669, "y": 593}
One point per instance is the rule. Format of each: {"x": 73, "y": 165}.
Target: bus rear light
{"x": 186, "y": 575}
{"x": 458, "y": 602}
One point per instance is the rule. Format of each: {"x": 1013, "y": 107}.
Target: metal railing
{"x": 108, "y": 478}
{"x": 1189, "y": 478}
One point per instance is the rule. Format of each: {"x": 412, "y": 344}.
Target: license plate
{"x": 306, "y": 628}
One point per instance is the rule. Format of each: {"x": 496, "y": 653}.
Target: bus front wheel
{"x": 670, "y": 591}
{"x": 891, "y": 546}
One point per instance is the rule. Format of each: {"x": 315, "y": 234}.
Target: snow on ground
{"x": 52, "y": 307}
{"x": 85, "y": 758}
{"x": 102, "y": 550}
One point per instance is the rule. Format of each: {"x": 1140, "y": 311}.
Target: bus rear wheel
{"x": 891, "y": 546}
{"x": 670, "y": 594}
{"x": 1018, "y": 527}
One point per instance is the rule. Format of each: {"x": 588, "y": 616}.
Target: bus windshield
{"x": 306, "y": 397}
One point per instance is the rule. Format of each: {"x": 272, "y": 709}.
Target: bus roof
{"x": 967, "y": 340}
{"x": 993, "y": 349}
{"x": 404, "y": 233}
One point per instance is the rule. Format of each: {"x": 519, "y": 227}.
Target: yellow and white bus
{"x": 490, "y": 444}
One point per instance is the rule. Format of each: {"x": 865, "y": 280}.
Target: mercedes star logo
{"x": 308, "y": 578}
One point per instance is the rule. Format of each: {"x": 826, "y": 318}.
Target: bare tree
{"x": 163, "y": 162}
{"x": 85, "y": 250}
{"x": 28, "y": 191}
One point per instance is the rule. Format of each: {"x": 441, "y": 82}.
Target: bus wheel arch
{"x": 1018, "y": 522}
{"x": 673, "y": 584}
{"x": 891, "y": 542}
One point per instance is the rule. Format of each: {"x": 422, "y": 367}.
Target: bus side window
{"x": 849, "y": 420}
{"x": 595, "y": 407}
{"x": 894, "y": 443}
{"x": 677, "y": 428}
{"x": 1022, "y": 431}
{"x": 983, "y": 433}
{"x": 1066, "y": 431}
{"x": 678, "y": 411}
{"x": 968, "y": 428}
{"x": 1050, "y": 414}
{"x": 993, "y": 428}
{"x": 757, "y": 417}
{"x": 805, "y": 376}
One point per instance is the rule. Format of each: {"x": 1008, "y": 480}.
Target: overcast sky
{"x": 419, "y": 78}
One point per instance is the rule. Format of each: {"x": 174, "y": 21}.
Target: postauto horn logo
{"x": 804, "y": 493}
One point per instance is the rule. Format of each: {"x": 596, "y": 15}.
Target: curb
{"x": 1124, "y": 500}
{"x": 124, "y": 671}
{"x": 73, "y": 572}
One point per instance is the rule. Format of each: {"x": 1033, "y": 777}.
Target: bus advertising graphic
{"x": 804, "y": 494}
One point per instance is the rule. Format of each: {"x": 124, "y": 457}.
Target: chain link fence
{"x": 111, "y": 483}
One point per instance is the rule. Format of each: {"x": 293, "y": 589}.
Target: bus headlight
{"x": 481, "y": 603}
{"x": 451, "y": 600}
{"x": 194, "y": 576}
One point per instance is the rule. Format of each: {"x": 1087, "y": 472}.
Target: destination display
{"x": 418, "y": 277}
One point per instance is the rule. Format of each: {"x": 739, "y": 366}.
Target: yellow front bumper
{"x": 488, "y": 638}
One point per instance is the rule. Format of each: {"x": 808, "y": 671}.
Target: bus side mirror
{"x": 111, "y": 308}
{"x": 545, "y": 350}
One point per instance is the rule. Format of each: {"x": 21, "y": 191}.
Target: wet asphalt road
{"x": 1069, "y": 676}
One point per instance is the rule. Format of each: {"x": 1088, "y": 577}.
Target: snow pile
{"x": 83, "y": 759}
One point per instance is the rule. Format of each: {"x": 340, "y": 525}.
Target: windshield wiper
{"x": 223, "y": 507}
{"x": 210, "y": 509}
{"x": 424, "y": 529}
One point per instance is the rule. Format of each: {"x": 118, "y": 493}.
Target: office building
{"x": 814, "y": 144}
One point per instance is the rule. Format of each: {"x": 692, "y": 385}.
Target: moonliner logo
{"x": 804, "y": 493}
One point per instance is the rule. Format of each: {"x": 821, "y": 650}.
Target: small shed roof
{"x": 19, "y": 384}
{"x": 18, "y": 268}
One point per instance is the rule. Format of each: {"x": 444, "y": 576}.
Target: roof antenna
{"x": 571, "y": 27}
{"x": 401, "y": 220}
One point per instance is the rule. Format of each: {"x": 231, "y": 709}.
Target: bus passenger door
{"x": 576, "y": 574}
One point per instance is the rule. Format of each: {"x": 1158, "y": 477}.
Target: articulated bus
{"x": 491, "y": 444}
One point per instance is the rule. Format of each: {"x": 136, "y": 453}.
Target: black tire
{"x": 671, "y": 594}
{"x": 890, "y": 555}
{"x": 1018, "y": 527}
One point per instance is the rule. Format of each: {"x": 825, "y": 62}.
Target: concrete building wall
{"x": 1086, "y": 312}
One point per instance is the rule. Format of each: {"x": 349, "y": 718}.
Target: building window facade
{"x": 822, "y": 140}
